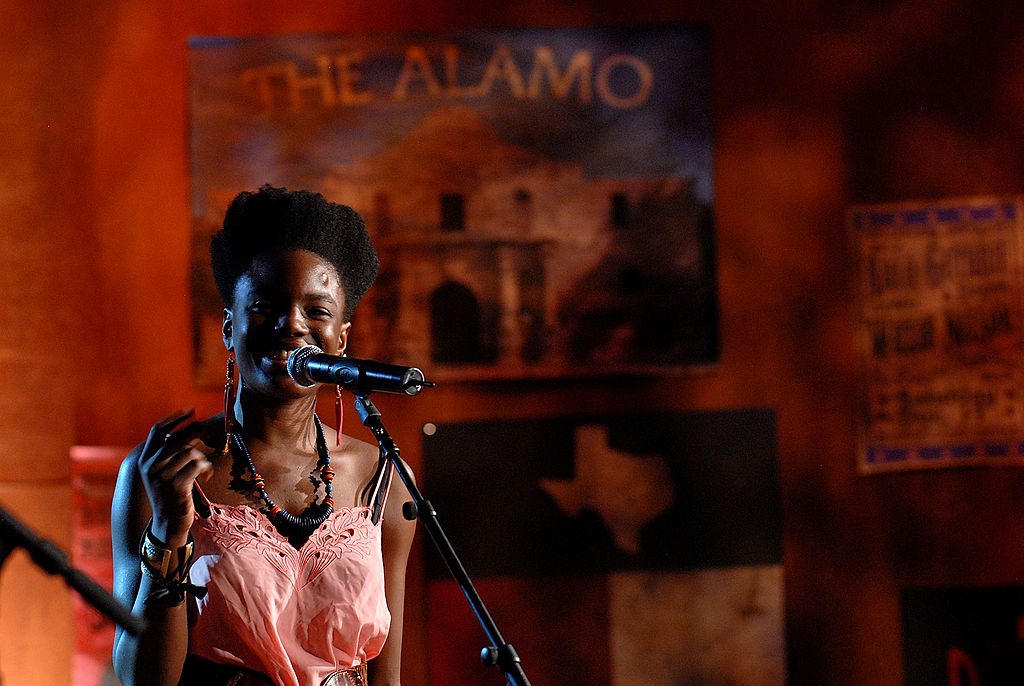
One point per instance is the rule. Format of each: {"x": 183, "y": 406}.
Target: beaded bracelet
{"x": 169, "y": 585}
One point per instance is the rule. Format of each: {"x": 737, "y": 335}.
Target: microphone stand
{"x": 52, "y": 560}
{"x": 499, "y": 654}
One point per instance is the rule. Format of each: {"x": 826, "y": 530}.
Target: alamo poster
{"x": 541, "y": 198}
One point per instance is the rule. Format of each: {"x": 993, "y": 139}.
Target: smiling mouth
{"x": 277, "y": 356}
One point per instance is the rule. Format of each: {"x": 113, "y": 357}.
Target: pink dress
{"x": 294, "y": 615}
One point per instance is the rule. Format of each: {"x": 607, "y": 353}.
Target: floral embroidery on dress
{"x": 240, "y": 528}
{"x": 346, "y": 532}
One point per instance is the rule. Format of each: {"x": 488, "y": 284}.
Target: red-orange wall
{"x": 817, "y": 105}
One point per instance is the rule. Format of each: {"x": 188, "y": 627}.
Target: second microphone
{"x": 310, "y": 365}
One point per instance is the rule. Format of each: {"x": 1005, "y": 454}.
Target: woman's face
{"x": 284, "y": 301}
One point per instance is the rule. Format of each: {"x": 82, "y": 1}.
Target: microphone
{"x": 309, "y": 365}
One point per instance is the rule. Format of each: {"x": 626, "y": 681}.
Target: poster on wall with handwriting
{"x": 541, "y": 199}
{"x": 940, "y": 290}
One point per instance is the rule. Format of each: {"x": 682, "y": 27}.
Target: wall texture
{"x": 817, "y": 105}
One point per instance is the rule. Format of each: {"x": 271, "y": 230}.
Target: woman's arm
{"x": 398, "y": 532}
{"x": 155, "y": 481}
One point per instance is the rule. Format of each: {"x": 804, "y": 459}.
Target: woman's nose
{"x": 293, "y": 321}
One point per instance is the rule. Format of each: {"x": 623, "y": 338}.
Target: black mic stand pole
{"x": 499, "y": 653}
{"x": 52, "y": 560}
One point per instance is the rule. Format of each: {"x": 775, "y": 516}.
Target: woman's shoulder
{"x": 357, "y": 448}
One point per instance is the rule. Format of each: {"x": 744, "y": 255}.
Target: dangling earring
{"x": 229, "y": 402}
{"x": 339, "y": 416}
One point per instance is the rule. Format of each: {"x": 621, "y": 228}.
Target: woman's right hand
{"x": 170, "y": 462}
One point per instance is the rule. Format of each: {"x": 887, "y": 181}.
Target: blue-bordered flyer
{"x": 939, "y": 295}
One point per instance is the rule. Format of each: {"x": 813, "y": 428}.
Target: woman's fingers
{"x": 185, "y": 467}
{"x": 182, "y": 439}
{"x": 160, "y": 431}
{"x": 170, "y": 482}
{"x": 175, "y": 460}
{"x": 170, "y": 421}
{"x": 171, "y": 461}
{"x": 163, "y": 441}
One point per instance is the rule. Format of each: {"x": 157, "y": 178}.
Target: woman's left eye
{"x": 319, "y": 313}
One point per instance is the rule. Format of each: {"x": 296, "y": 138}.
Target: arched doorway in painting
{"x": 455, "y": 325}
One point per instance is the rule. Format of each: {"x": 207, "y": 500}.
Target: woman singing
{"x": 260, "y": 546}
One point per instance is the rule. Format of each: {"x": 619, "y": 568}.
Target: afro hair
{"x": 276, "y": 219}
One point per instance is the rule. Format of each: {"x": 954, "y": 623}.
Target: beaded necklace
{"x": 315, "y": 515}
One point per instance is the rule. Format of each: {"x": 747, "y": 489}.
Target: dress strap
{"x": 381, "y": 487}
{"x": 200, "y": 501}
